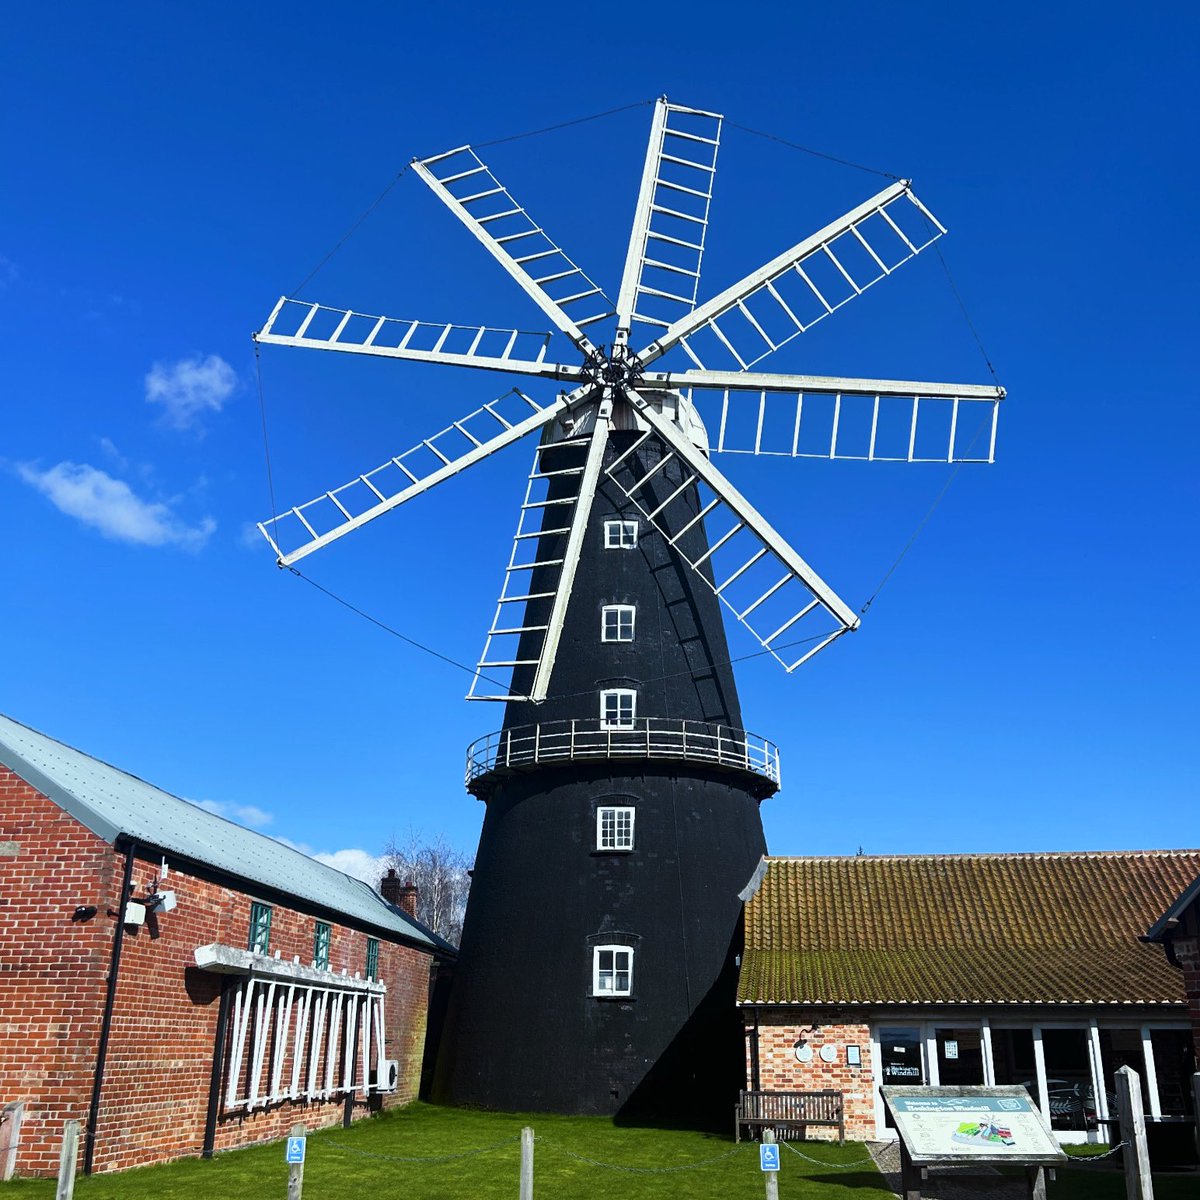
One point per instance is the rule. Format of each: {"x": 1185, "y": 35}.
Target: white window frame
{"x": 599, "y": 974}
{"x": 616, "y": 843}
{"x": 618, "y": 695}
{"x": 620, "y": 534}
{"x": 620, "y": 614}
{"x": 990, "y": 1026}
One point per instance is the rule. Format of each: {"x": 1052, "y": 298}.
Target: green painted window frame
{"x": 372, "y": 958}
{"x": 259, "y": 940}
{"x": 322, "y": 937}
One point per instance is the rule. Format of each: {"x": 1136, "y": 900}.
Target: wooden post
{"x": 1196, "y": 1106}
{"x": 10, "y": 1137}
{"x": 66, "y": 1161}
{"x": 1036, "y": 1177}
{"x": 1138, "y": 1184}
{"x": 910, "y": 1176}
{"x": 296, "y": 1170}
{"x": 768, "y": 1137}
{"x": 527, "y": 1163}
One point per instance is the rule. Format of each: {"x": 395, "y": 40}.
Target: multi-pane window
{"x": 614, "y": 828}
{"x": 372, "y": 958}
{"x": 321, "y": 936}
{"x": 612, "y": 970}
{"x": 618, "y": 707}
{"x": 616, "y": 622}
{"x": 260, "y": 927}
{"x": 620, "y": 535}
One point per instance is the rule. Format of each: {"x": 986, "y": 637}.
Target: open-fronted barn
{"x": 968, "y": 969}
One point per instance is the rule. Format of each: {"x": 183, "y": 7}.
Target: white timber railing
{"x": 660, "y": 738}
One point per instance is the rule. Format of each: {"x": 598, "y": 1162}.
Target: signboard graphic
{"x": 768, "y": 1157}
{"x": 295, "y": 1149}
{"x": 947, "y": 1124}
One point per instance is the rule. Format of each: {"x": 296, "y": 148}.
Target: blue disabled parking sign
{"x": 295, "y": 1149}
{"x": 768, "y": 1157}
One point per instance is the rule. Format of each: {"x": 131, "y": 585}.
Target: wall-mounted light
{"x": 84, "y": 912}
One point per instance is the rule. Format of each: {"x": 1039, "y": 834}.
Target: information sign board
{"x": 971, "y": 1124}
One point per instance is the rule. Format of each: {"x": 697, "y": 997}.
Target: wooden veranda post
{"x": 1138, "y": 1184}
{"x": 1196, "y": 1107}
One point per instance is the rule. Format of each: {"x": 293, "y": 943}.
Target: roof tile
{"x": 978, "y": 928}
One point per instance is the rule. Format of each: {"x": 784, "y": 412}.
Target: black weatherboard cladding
{"x": 523, "y": 1030}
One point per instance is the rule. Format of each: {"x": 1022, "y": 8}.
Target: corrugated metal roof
{"x": 111, "y": 802}
{"x": 963, "y": 928}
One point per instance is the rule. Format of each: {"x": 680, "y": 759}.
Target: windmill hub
{"x": 619, "y": 367}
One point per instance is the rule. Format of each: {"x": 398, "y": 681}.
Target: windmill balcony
{"x": 662, "y": 739}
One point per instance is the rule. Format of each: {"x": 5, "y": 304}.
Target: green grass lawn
{"x": 361, "y": 1162}
{"x": 1107, "y": 1182}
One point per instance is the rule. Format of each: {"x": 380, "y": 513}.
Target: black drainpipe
{"x": 214, "y": 1083}
{"x": 114, "y": 966}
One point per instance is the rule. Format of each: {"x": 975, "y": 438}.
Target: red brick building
{"x": 968, "y": 969}
{"x": 180, "y": 984}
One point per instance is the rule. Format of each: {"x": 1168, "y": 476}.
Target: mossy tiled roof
{"x": 971, "y": 928}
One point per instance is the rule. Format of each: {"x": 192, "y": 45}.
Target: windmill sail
{"x": 516, "y": 643}
{"x": 299, "y": 531}
{"x": 477, "y": 198}
{"x": 768, "y": 587}
{"x": 805, "y": 284}
{"x": 304, "y": 324}
{"x": 662, "y": 269}
{"x": 869, "y": 420}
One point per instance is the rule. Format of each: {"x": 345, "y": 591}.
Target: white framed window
{"x": 618, "y": 708}
{"x": 620, "y": 535}
{"x": 612, "y": 970}
{"x": 616, "y": 622}
{"x": 614, "y": 828}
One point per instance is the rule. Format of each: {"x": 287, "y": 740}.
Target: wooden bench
{"x": 789, "y": 1110}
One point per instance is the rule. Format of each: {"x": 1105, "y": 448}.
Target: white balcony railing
{"x": 647, "y": 738}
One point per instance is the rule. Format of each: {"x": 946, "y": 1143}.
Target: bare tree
{"x": 441, "y": 875}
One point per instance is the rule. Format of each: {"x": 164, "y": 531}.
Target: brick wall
{"x": 1187, "y": 954}
{"x": 52, "y": 983}
{"x": 780, "y": 1070}
{"x": 52, "y": 969}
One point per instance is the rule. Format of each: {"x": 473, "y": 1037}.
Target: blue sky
{"x": 1025, "y": 681}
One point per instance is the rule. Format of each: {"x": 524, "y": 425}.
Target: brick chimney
{"x": 389, "y": 886}
{"x": 403, "y": 895}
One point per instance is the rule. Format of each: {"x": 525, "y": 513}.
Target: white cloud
{"x": 243, "y": 814}
{"x": 111, "y": 506}
{"x": 110, "y": 449}
{"x": 189, "y": 388}
{"x": 251, "y": 537}
{"x": 370, "y": 868}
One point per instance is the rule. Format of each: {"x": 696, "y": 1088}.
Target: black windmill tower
{"x": 599, "y": 955}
